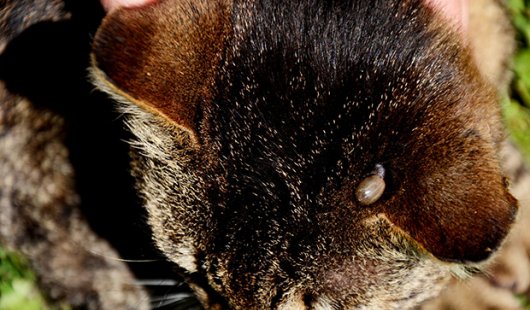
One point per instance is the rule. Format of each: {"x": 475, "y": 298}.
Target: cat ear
{"x": 163, "y": 57}
{"x": 457, "y": 209}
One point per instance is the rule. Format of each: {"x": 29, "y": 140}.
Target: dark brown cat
{"x": 316, "y": 154}
{"x": 339, "y": 154}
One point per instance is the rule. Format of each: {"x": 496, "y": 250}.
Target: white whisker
{"x": 169, "y": 299}
{"x": 119, "y": 259}
{"x": 125, "y": 260}
{"x": 157, "y": 282}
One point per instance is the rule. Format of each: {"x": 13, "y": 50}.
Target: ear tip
{"x": 461, "y": 233}
{"x": 113, "y": 32}
{"x": 484, "y": 238}
{"x": 119, "y": 47}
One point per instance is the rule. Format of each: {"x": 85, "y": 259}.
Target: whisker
{"x": 158, "y": 282}
{"x": 125, "y": 260}
{"x": 119, "y": 259}
{"x": 172, "y": 299}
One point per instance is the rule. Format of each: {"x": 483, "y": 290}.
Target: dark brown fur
{"x": 269, "y": 220}
{"x": 255, "y": 123}
{"x": 189, "y": 62}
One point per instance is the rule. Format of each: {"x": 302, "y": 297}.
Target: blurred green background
{"x": 517, "y": 107}
{"x": 17, "y": 283}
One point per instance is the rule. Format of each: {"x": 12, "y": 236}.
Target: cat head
{"x": 308, "y": 154}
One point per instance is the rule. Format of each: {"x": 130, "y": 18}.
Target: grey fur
{"x": 39, "y": 213}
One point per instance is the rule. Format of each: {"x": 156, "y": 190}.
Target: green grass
{"x": 524, "y": 300}
{"x": 517, "y": 107}
{"x": 18, "y": 290}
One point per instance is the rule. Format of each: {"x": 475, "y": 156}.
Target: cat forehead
{"x": 330, "y": 41}
{"x": 325, "y": 61}
{"x": 285, "y": 99}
